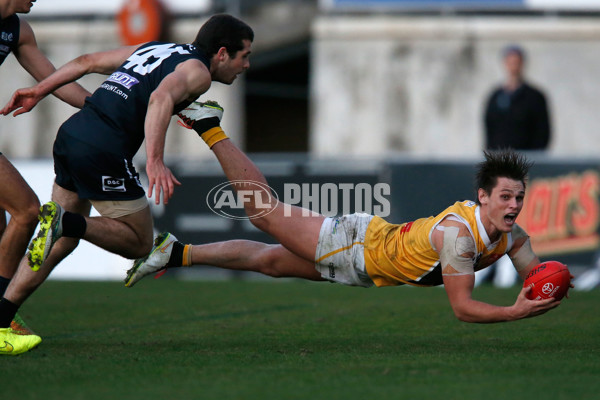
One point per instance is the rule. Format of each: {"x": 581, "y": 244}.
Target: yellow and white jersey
{"x": 404, "y": 254}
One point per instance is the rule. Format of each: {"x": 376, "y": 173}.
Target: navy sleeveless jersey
{"x": 113, "y": 118}
{"x": 9, "y": 36}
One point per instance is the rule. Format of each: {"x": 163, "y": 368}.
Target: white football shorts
{"x": 340, "y": 252}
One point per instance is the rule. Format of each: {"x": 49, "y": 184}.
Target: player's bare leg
{"x": 129, "y": 236}
{"x": 25, "y": 280}
{"x": 22, "y": 204}
{"x": 295, "y": 228}
{"x": 240, "y": 255}
{"x": 245, "y": 255}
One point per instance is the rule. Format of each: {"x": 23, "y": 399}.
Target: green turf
{"x": 168, "y": 339}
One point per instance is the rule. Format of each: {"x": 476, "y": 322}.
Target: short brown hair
{"x": 223, "y": 30}
{"x": 501, "y": 164}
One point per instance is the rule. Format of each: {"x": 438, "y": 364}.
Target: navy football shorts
{"x": 93, "y": 173}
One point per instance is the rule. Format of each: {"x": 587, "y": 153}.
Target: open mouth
{"x": 509, "y": 219}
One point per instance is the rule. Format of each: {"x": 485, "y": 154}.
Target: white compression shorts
{"x": 116, "y": 209}
{"x": 340, "y": 253}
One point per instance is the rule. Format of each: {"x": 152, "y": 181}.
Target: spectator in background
{"x": 516, "y": 114}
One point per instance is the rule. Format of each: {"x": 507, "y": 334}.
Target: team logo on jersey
{"x": 7, "y": 37}
{"x": 123, "y": 79}
{"x": 110, "y": 184}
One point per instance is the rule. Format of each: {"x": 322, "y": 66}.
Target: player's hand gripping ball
{"x": 549, "y": 279}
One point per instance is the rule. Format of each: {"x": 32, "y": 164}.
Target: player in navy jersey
{"x": 16, "y": 197}
{"x": 94, "y": 148}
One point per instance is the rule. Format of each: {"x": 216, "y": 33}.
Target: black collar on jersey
{"x": 202, "y": 56}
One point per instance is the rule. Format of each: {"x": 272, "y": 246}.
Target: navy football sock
{"x": 74, "y": 225}
{"x": 8, "y": 310}
{"x": 3, "y": 285}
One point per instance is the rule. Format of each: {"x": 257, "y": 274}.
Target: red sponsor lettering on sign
{"x": 561, "y": 214}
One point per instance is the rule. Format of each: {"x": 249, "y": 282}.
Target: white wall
{"x": 418, "y": 85}
{"x": 379, "y": 84}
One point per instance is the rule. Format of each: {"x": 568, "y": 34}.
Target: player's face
{"x": 230, "y": 68}
{"x": 499, "y": 209}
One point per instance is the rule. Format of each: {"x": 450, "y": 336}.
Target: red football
{"x": 549, "y": 279}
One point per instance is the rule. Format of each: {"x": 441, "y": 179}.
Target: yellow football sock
{"x": 187, "y": 256}
{"x": 213, "y": 135}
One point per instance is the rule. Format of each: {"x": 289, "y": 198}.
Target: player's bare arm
{"x": 189, "y": 80}
{"x": 39, "y": 67}
{"x": 105, "y": 62}
{"x": 522, "y": 255}
{"x": 456, "y": 247}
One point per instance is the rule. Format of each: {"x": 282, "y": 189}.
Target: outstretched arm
{"x": 39, "y": 67}
{"x": 105, "y": 62}
{"x": 522, "y": 255}
{"x": 457, "y": 249}
{"x": 189, "y": 80}
{"x": 460, "y": 288}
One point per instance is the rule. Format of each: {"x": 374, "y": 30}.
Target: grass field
{"x": 167, "y": 339}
